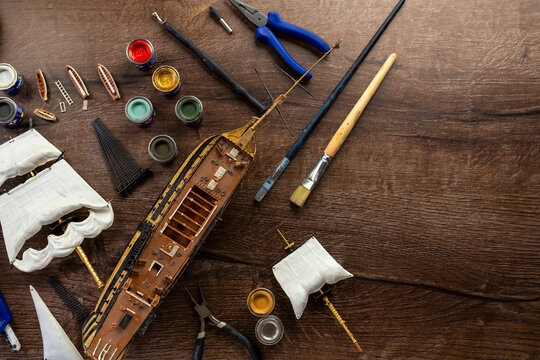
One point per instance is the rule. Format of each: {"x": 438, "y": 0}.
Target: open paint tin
{"x": 11, "y": 114}
{"x": 166, "y": 80}
{"x": 141, "y": 53}
{"x": 261, "y": 302}
{"x": 140, "y": 111}
{"x": 189, "y": 110}
{"x": 10, "y": 80}
{"x": 162, "y": 148}
{"x": 269, "y": 330}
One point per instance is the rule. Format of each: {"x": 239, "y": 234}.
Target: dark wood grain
{"x": 433, "y": 203}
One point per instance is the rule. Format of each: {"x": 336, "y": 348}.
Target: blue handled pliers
{"x": 265, "y": 25}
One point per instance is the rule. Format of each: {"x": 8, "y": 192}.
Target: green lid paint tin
{"x": 140, "y": 111}
{"x": 189, "y": 109}
{"x": 11, "y": 114}
{"x": 162, "y": 148}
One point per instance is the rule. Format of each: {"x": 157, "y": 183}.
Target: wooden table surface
{"x": 433, "y": 203}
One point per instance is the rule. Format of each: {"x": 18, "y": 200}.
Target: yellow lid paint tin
{"x": 261, "y": 302}
{"x": 166, "y": 80}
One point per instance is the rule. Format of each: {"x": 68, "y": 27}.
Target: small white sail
{"x": 24, "y": 153}
{"x": 305, "y": 271}
{"x": 56, "y": 343}
{"x": 43, "y": 199}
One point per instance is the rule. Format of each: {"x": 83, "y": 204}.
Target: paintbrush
{"x": 301, "y": 139}
{"x": 302, "y": 192}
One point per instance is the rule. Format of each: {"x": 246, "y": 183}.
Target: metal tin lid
{"x": 269, "y": 330}
{"x": 162, "y": 148}
{"x": 261, "y": 302}
{"x": 8, "y": 109}
{"x": 165, "y": 78}
{"x": 8, "y": 76}
{"x": 189, "y": 108}
{"x": 139, "y": 109}
{"x": 139, "y": 51}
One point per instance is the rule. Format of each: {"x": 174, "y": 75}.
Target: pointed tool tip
{"x": 259, "y": 196}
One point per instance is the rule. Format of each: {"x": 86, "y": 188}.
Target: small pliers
{"x": 265, "y": 25}
{"x": 205, "y": 315}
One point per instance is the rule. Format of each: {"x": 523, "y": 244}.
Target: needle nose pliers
{"x": 265, "y": 25}
{"x": 204, "y": 316}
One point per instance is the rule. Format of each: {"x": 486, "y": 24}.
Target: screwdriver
{"x": 5, "y": 326}
{"x": 220, "y": 19}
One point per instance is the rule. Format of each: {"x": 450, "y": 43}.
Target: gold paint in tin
{"x": 166, "y": 79}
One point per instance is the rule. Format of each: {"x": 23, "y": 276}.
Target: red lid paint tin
{"x": 141, "y": 53}
{"x": 11, "y": 82}
{"x": 140, "y": 111}
{"x": 11, "y": 114}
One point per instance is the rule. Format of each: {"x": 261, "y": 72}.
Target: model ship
{"x": 168, "y": 239}
{"x": 43, "y": 199}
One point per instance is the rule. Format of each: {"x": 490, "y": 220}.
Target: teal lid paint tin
{"x": 162, "y": 148}
{"x": 189, "y": 110}
{"x": 140, "y": 111}
{"x": 11, "y": 114}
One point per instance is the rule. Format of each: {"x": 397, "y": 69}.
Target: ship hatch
{"x": 190, "y": 216}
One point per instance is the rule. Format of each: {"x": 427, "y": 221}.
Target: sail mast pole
{"x": 86, "y": 262}
{"x": 327, "y": 301}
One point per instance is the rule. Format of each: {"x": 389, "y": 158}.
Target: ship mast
{"x": 247, "y": 136}
{"x": 289, "y": 247}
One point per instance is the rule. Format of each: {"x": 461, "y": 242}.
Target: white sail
{"x": 56, "y": 343}
{"x": 305, "y": 271}
{"x": 43, "y": 199}
{"x": 24, "y": 153}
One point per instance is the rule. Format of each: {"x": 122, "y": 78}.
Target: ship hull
{"x": 164, "y": 245}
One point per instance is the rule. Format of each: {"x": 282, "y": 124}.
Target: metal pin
{"x": 219, "y": 18}
{"x": 272, "y": 98}
{"x": 294, "y": 80}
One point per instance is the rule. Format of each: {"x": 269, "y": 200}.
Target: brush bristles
{"x": 300, "y": 196}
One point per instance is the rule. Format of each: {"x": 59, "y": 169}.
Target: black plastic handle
{"x": 238, "y": 336}
{"x": 215, "y": 67}
{"x": 199, "y": 344}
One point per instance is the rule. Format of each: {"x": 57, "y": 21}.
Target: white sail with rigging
{"x": 305, "y": 271}
{"x": 24, "y": 153}
{"x": 56, "y": 343}
{"x": 43, "y": 199}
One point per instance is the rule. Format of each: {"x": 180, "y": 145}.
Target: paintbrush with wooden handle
{"x": 302, "y": 192}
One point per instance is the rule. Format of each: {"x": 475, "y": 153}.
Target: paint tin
{"x": 141, "y": 53}
{"x": 10, "y": 80}
{"x": 261, "y": 302}
{"x": 162, "y": 148}
{"x": 11, "y": 114}
{"x": 166, "y": 80}
{"x": 269, "y": 330}
{"x": 140, "y": 111}
{"x": 189, "y": 110}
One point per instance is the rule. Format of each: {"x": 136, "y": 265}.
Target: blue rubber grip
{"x": 266, "y": 35}
{"x": 275, "y": 23}
{"x": 5, "y": 314}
